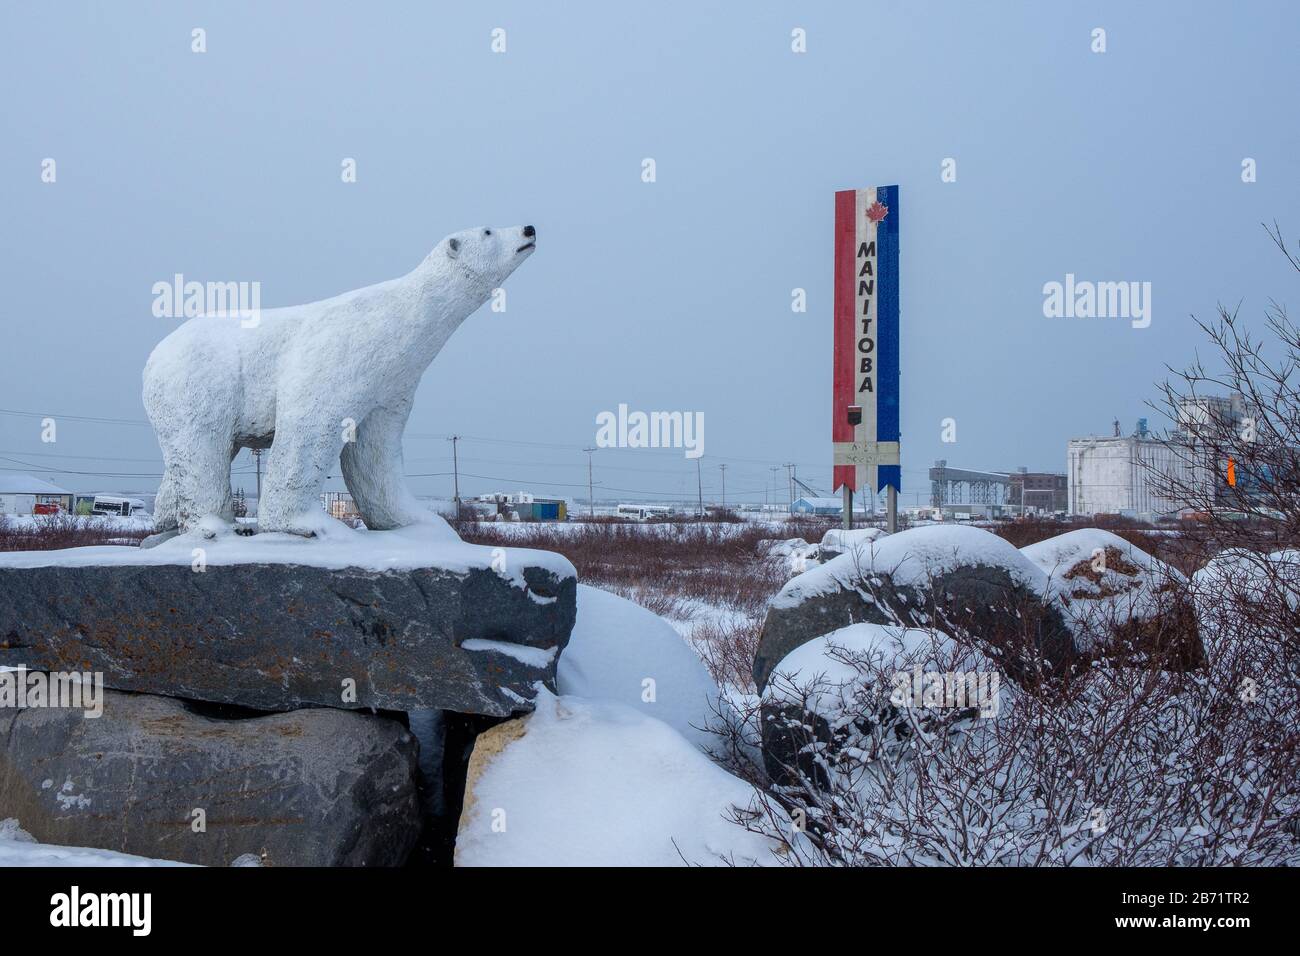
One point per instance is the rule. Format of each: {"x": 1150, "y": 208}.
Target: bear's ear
{"x": 453, "y": 248}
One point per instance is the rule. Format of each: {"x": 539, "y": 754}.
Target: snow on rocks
{"x": 1236, "y": 585}
{"x": 1116, "y": 597}
{"x": 968, "y": 582}
{"x": 839, "y": 540}
{"x": 619, "y": 651}
{"x": 826, "y": 698}
{"x": 431, "y": 543}
{"x": 406, "y": 619}
{"x": 20, "y": 848}
{"x": 595, "y": 783}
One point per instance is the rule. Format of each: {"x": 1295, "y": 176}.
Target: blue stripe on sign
{"x": 887, "y": 428}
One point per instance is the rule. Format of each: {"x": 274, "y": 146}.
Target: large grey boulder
{"x": 443, "y": 625}
{"x": 966, "y": 582}
{"x": 308, "y": 788}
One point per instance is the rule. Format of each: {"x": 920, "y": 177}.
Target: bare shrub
{"x": 1125, "y": 766}
{"x": 49, "y": 532}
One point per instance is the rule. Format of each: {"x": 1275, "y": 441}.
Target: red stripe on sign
{"x": 845, "y": 302}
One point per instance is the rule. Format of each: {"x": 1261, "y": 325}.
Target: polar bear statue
{"x": 318, "y": 383}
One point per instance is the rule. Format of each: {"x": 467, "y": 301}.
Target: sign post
{"x": 865, "y": 423}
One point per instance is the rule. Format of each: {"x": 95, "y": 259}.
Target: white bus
{"x": 645, "y": 512}
{"x": 115, "y": 505}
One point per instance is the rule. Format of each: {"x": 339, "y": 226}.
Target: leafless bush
{"x": 1125, "y": 766}
{"x": 722, "y": 565}
{"x": 49, "y": 532}
{"x": 728, "y": 648}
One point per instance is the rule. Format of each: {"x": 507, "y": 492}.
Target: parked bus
{"x": 115, "y": 505}
{"x": 645, "y": 512}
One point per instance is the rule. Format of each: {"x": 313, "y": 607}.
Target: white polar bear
{"x": 318, "y": 383}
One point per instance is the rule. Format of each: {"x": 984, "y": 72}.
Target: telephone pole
{"x": 774, "y": 469}
{"x": 699, "y": 484}
{"x": 455, "y": 472}
{"x": 591, "y": 502}
{"x": 724, "y": 486}
{"x": 257, "y": 460}
{"x": 789, "y": 470}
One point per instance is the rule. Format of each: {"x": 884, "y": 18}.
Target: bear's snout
{"x": 530, "y": 234}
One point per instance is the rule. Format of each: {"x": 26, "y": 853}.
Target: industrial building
{"x": 25, "y": 495}
{"x": 1130, "y": 474}
{"x": 1038, "y": 492}
{"x": 960, "y": 486}
{"x": 827, "y": 506}
{"x": 522, "y": 506}
{"x": 993, "y": 494}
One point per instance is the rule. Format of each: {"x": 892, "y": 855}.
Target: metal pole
{"x": 848, "y": 508}
{"x": 257, "y": 458}
{"x": 455, "y": 471}
{"x": 699, "y": 483}
{"x": 591, "y": 501}
{"x": 891, "y": 506}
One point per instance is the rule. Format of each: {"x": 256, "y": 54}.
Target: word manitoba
{"x": 1098, "y": 300}
{"x": 180, "y": 299}
{"x": 947, "y": 689}
{"x": 651, "y": 430}
{"x": 21, "y": 688}
{"x": 103, "y": 909}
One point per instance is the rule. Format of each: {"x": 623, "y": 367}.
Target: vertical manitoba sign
{"x": 866, "y": 341}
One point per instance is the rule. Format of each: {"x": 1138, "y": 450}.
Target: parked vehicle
{"x": 645, "y": 512}
{"x": 115, "y": 505}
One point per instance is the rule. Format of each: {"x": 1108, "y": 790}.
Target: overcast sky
{"x": 672, "y": 295}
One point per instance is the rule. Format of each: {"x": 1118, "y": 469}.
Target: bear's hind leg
{"x": 301, "y": 455}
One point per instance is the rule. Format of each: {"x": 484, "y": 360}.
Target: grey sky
{"x": 666, "y": 296}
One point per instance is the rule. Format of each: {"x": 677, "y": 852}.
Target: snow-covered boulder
{"x": 594, "y": 783}
{"x": 407, "y": 619}
{"x": 965, "y": 581}
{"x": 839, "y": 540}
{"x": 863, "y": 690}
{"x": 1117, "y": 598}
{"x": 1238, "y": 587}
{"x": 619, "y": 651}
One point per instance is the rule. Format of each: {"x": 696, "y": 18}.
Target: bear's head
{"x": 486, "y": 256}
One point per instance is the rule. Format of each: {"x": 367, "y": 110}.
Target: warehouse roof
{"x": 27, "y": 485}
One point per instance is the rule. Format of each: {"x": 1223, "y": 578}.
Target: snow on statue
{"x": 318, "y": 383}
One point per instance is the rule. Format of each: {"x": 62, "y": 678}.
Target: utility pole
{"x": 257, "y": 460}
{"x": 699, "y": 484}
{"x": 455, "y": 472}
{"x": 789, "y": 471}
{"x": 724, "y": 486}
{"x": 774, "y": 469}
{"x": 591, "y": 502}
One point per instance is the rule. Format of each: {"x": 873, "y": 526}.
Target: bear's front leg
{"x": 301, "y": 455}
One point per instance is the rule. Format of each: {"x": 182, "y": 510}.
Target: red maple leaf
{"x": 877, "y": 211}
